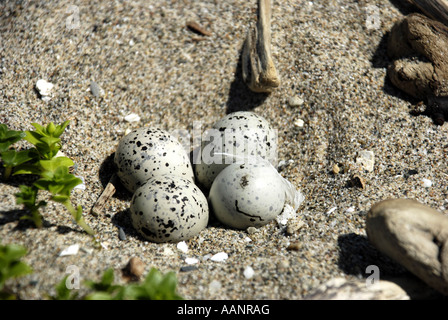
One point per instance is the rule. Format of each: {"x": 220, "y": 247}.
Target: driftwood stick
{"x": 435, "y": 9}
{"x": 259, "y": 71}
{"x": 108, "y": 192}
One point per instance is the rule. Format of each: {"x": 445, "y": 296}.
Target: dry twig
{"x": 259, "y": 71}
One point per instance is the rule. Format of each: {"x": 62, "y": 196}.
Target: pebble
{"x": 134, "y": 269}
{"x": 182, "y": 246}
{"x": 187, "y": 268}
{"x": 132, "y": 117}
{"x": 82, "y": 185}
{"x": 299, "y": 123}
{"x": 295, "y": 101}
{"x": 414, "y": 235}
{"x": 191, "y": 260}
{"x": 121, "y": 234}
{"x": 219, "y": 257}
{"x": 70, "y": 250}
{"x": 44, "y": 88}
{"x": 251, "y": 230}
{"x": 293, "y": 227}
{"x": 287, "y": 214}
{"x": 343, "y": 289}
{"x": 366, "y": 159}
{"x": 426, "y": 183}
{"x": 336, "y": 169}
{"x": 96, "y": 90}
{"x": 248, "y": 272}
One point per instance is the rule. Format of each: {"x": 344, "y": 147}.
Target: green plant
{"x": 41, "y": 160}
{"x": 11, "y": 266}
{"x": 155, "y": 286}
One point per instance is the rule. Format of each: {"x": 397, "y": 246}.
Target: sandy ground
{"x": 330, "y": 54}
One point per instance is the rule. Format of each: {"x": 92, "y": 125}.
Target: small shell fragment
{"x": 132, "y": 117}
{"x": 219, "y": 257}
{"x": 70, "y": 250}
{"x": 44, "y": 88}
{"x": 248, "y": 272}
{"x": 182, "y": 246}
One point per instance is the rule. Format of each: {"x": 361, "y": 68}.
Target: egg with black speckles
{"x": 248, "y": 195}
{"x": 147, "y": 152}
{"x": 168, "y": 208}
{"x": 233, "y": 139}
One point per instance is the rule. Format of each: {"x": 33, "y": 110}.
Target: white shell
{"x": 147, "y": 152}
{"x": 240, "y": 136}
{"x": 248, "y": 195}
{"x": 168, "y": 208}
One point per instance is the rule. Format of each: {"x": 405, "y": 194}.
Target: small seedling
{"x": 41, "y": 160}
{"x": 156, "y": 286}
{"x": 11, "y": 266}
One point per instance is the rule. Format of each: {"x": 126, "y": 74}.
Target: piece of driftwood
{"x": 196, "y": 28}
{"x": 107, "y": 193}
{"x": 435, "y": 9}
{"x": 259, "y": 72}
{"x": 419, "y": 47}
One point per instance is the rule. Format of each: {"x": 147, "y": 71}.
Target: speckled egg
{"x": 168, "y": 208}
{"x": 248, "y": 195}
{"x": 147, "y": 152}
{"x": 238, "y": 137}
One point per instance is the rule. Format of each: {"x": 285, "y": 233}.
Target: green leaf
{"x": 33, "y": 137}
{"x": 10, "y": 264}
{"x": 26, "y": 196}
{"x": 8, "y": 137}
{"x": 14, "y": 158}
{"x": 57, "y": 180}
{"x": 27, "y": 168}
{"x": 60, "y": 129}
{"x": 39, "y": 128}
{"x": 60, "y": 199}
{"x": 63, "y": 292}
{"x": 55, "y": 163}
{"x": 106, "y": 284}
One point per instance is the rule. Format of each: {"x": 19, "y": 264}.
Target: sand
{"x": 330, "y": 54}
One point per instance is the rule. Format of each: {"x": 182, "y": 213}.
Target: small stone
{"x": 121, "y": 234}
{"x": 248, "y": 272}
{"x": 44, "y": 88}
{"x": 426, "y": 183}
{"x": 191, "y": 260}
{"x": 293, "y": 227}
{"x": 132, "y": 117}
{"x": 358, "y": 181}
{"x": 336, "y": 169}
{"x": 342, "y": 289}
{"x": 251, "y": 230}
{"x": 70, "y": 250}
{"x": 187, "y": 268}
{"x": 414, "y": 235}
{"x": 134, "y": 269}
{"x": 294, "y": 246}
{"x": 299, "y": 123}
{"x": 219, "y": 257}
{"x": 96, "y": 90}
{"x": 287, "y": 214}
{"x": 295, "y": 101}
{"x": 82, "y": 185}
{"x": 182, "y": 246}
{"x": 366, "y": 159}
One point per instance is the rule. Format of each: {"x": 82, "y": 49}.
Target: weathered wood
{"x": 435, "y": 9}
{"x": 259, "y": 71}
{"x": 107, "y": 193}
